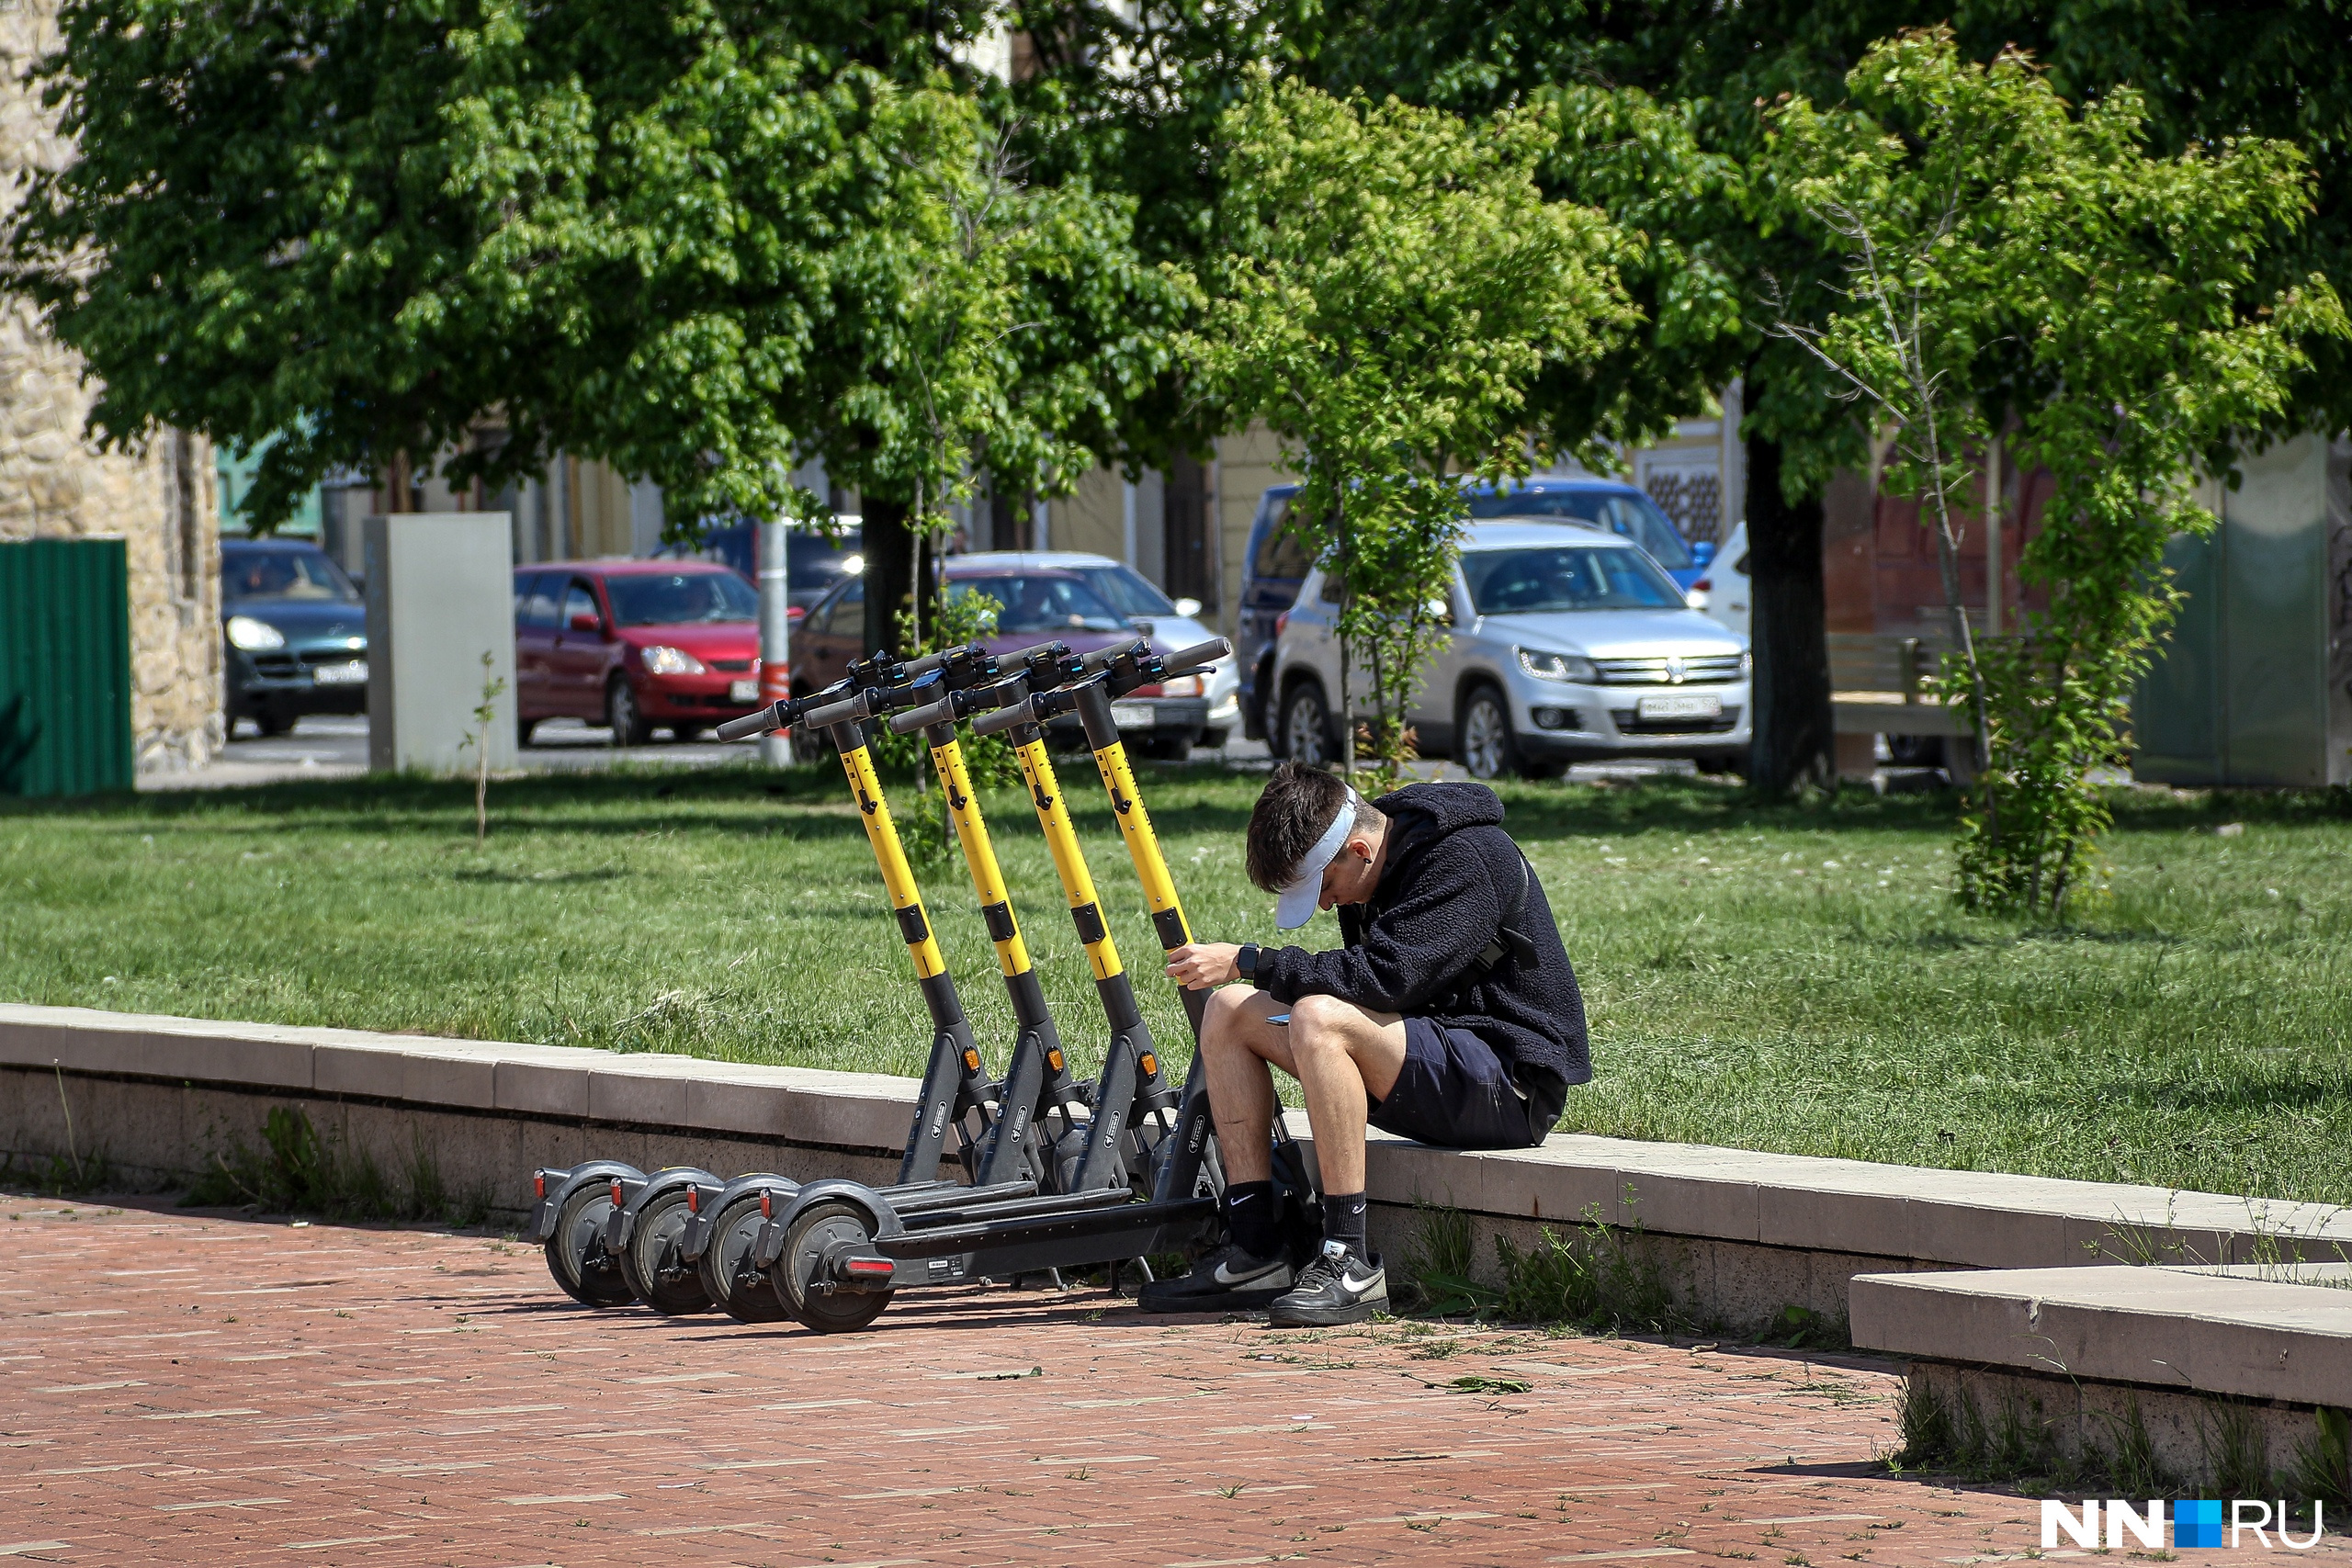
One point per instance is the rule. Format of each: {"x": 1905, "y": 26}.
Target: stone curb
{"x": 1839, "y": 1207}
{"x": 2258, "y": 1332}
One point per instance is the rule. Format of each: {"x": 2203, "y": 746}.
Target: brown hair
{"x": 1294, "y": 811}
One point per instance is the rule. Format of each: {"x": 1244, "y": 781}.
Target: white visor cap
{"x": 1306, "y": 890}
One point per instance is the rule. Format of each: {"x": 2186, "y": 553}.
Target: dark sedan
{"x": 296, "y": 634}
{"x": 1032, "y": 604}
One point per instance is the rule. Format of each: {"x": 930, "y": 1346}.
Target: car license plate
{"x": 1681, "y": 707}
{"x": 349, "y": 674}
{"x": 742, "y": 691}
{"x": 1133, "y": 716}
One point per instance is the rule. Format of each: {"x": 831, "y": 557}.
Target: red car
{"x": 635, "y": 645}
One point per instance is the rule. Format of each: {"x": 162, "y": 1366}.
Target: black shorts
{"x": 1454, "y": 1092}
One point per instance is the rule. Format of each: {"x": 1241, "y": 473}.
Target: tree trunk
{"x": 1795, "y": 741}
{"x": 890, "y": 548}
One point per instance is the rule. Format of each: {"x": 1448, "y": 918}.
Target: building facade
{"x": 55, "y": 483}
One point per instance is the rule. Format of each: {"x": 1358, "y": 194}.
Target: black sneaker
{"x": 1228, "y": 1280}
{"x": 1336, "y": 1287}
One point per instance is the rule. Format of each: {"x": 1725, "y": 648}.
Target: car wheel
{"x": 271, "y": 722}
{"x": 524, "y": 729}
{"x": 625, "y": 717}
{"x": 1484, "y": 743}
{"x": 687, "y": 734}
{"x": 1170, "y": 748}
{"x": 1212, "y": 740}
{"x": 1307, "y": 725}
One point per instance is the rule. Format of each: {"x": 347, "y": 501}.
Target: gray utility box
{"x": 440, "y": 595}
{"x": 2254, "y": 684}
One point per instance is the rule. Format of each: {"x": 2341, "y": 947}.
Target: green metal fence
{"x": 64, "y": 668}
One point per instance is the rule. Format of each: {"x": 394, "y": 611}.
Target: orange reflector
{"x": 1055, "y": 1058}
{"x": 1150, "y": 1064}
{"x": 971, "y": 1060}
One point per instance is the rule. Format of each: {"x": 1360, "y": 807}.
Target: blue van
{"x": 1275, "y": 563}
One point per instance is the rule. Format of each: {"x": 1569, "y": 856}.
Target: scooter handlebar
{"x": 1198, "y": 657}
{"x": 1102, "y": 659}
{"x": 941, "y": 712}
{"x": 1005, "y": 717}
{"x": 847, "y": 711}
{"x": 760, "y": 723}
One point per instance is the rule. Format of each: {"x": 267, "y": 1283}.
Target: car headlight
{"x": 1181, "y": 686}
{"x": 1557, "y": 666}
{"x": 662, "y": 659}
{"x": 254, "y": 636}
{"x": 1747, "y": 665}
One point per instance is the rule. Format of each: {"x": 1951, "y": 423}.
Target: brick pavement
{"x": 186, "y": 1389}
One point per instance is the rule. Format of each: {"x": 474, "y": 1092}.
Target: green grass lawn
{"x": 1793, "y": 978}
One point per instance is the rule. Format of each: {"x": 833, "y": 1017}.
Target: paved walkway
{"x": 189, "y": 1389}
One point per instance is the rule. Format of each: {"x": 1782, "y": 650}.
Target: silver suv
{"x": 1568, "y": 643}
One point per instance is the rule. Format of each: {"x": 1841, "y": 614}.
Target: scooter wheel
{"x": 813, "y": 1235}
{"x": 576, "y": 1255}
{"x": 663, "y": 1280}
{"x": 742, "y": 1292}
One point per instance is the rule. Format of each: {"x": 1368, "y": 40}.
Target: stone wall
{"x": 55, "y": 483}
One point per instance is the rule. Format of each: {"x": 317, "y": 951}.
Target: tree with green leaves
{"x": 2012, "y": 268}
{"x": 1692, "y": 82}
{"x": 1017, "y": 327}
{"x": 616, "y": 229}
{"x": 1390, "y": 283}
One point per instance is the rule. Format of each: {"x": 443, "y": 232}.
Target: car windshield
{"x": 680, "y": 598}
{"x": 1126, "y": 590}
{"x": 1042, "y": 603}
{"x": 1626, "y": 514}
{"x": 1528, "y": 582}
{"x": 291, "y": 573}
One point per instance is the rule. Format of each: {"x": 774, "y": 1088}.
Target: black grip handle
{"x": 1103, "y": 658}
{"x": 1197, "y": 657}
{"x": 1005, "y": 717}
{"x": 941, "y": 712}
{"x": 760, "y": 723}
{"x": 847, "y": 711}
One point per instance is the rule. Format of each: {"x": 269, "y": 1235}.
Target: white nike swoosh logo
{"x": 1222, "y": 1278}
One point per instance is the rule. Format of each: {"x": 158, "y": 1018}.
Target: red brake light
{"x": 616, "y": 1193}
{"x": 767, "y": 1210}
{"x": 1281, "y": 622}
{"x": 538, "y": 1184}
{"x": 870, "y": 1266}
{"x": 694, "y": 1201}
{"x": 1705, "y": 585}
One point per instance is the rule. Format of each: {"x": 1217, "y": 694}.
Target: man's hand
{"x": 1200, "y": 963}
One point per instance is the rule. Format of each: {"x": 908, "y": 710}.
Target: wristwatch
{"x": 1245, "y": 963}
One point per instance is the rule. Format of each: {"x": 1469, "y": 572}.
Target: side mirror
{"x": 584, "y": 623}
{"x": 1188, "y": 607}
{"x": 1703, "y": 552}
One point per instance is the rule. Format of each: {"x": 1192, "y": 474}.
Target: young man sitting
{"x": 1449, "y": 1016}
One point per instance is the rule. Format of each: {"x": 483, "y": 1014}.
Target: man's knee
{"x": 1323, "y": 1023}
{"x": 1224, "y": 1018}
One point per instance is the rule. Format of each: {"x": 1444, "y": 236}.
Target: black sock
{"x": 1254, "y": 1218}
{"x": 1343, "y": 1221}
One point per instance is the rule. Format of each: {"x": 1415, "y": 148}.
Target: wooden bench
{"x": 1878, "y": 685}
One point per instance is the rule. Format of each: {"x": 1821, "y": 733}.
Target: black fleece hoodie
{"x": 1450, "y": 879}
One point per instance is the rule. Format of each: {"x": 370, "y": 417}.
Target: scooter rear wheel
{"x": 576, "y": 1254}
{"x": 663, "y": 1280}
{"x": 812, "y": 1236}
{"x": 742, "y": 1292}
